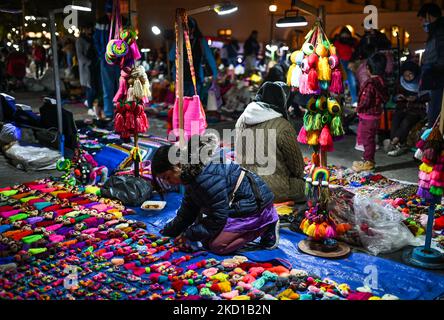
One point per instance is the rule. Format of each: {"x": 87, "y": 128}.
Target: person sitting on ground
{"x": 268, "y": 113}
{"x": 224, "y": 206}
{"x": 410, "y": 109}
{"x": 371, "y": 99}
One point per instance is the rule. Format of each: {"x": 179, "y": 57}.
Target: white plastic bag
{"x": 32, "y": 157}
{"x": 380, "y": 226}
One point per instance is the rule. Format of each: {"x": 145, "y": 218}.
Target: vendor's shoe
{"x": 270, "y": 239}
{"x": 363, "y": 166}
{"x": 398, "y": 151}
{"x": 359, "y": 147}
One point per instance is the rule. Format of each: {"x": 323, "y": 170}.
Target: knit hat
{"x": 276, "y": 95}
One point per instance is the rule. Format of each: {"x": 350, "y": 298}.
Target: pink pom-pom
{"x": 336, "y": 85}
{"x": 302, "y": 136}
{"x": 325, "y": 139}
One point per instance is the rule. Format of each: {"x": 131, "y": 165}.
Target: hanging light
{"x": 81, "y": 5}
{"x": 292, "y": 21}
{"x": 225, "y": 8}
{"x": 289, "y": 21}
{"x": 156, "y": 30}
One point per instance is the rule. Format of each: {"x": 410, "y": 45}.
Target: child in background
{"x": 371, "y": 99}
{"x": 410, "y": 109}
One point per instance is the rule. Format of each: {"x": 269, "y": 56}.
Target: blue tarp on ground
{"x": 388, "y": 276}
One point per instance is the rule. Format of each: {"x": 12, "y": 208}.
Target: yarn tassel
{"x": 330, "y": 233}
{"x": 311, "y": 230}
{"x": 138, "y": 89}
{"x": 296, "y": 77}
{"x": 122, "y": 91}
{"x": 313, "y": 83}
{"x": 336, "y": 85}
{"x": 325, "y": 139}
{"x": 304, "y": 225}
{"x": 290, "y": 74}
{"x": 324, "y": 71}
{"x": 317, "y": 123}
{"x": 308, "y": 121}
{"x": 336, "y": 127}
{"x": 302, "y": 136}
{"x": 313, "y": 138}
{"x": 303, "y": 84}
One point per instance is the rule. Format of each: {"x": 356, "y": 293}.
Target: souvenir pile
{"x": 58, "y": 242}
{"x": 401, "y": 196}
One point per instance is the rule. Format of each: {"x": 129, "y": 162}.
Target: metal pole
{"x": 55, "y": 61}
{"x": 271, "y": 27}
{"x": 179, "y": 81}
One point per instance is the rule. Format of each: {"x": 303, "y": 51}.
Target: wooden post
{"x": 179, "y": 81}
{"x": 136, "y": 161}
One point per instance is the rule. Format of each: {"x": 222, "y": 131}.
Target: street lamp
{"x": 77, "y": 5}
{"x": 272, "y": 8}
{"x": 81, "y": 5}
{"x": 221, "y": 9}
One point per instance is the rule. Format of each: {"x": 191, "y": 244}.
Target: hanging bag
{"x": 116, "y": 48}
{"x": 193, "y": 113}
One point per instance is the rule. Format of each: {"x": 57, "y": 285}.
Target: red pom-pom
{"x": 313, "y": 60}
{"x": 313, "y": 83}
{"x": 439, "y": 223}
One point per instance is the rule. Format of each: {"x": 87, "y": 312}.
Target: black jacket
{"x": 205, "y": 207}
{"x": 434, "y": 54}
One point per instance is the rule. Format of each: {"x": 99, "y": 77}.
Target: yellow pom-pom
{"x": 425, "y": 168}
{"x": 241, "y": 298}
{"x": 313, "y": 138}
{"x": 224, "y": 286}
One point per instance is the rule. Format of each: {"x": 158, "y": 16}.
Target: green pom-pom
{"x": 436, "y": 191}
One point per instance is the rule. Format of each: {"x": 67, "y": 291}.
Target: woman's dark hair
{"x": 377, "y": 64}
{"x": 160, "y": 162}
{"x": 430, "y": 8}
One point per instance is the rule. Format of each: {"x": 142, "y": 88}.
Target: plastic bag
{"x": 32, "y": 158}
{"x": 132, "y": 191}
{"x": 380, "y": 226}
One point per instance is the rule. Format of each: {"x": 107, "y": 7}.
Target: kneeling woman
{"x": 224, "y": 206}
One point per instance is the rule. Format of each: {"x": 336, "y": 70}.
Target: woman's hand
{"x": 184, "y": 244}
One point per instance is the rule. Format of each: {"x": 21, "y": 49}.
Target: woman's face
{"x": 409, "y": 76}
{"x": 171, "y": 176}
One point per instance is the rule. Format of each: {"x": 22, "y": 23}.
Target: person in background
{"x": 39, "y": 57}
{"x": 373, "y": 95}
{"x": 68, "y": 50}
{"x": 87, "y": 67}
{"x": 268, "y": 113}
{"x": 3, "y": 80}
{"x": 251, "y": 51}
{"x": 363, "y": 76}
{"x": 432, "y": 78}
{"x": 345, "y": 45}
{"x": 16, "y": 63}
{"x": 232, "y": 48}
{"x": 110, "y": 74}
{"x": 410, "y": 109}
{"x": 224, "y": 206}
{"x": 202, "y": 54}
